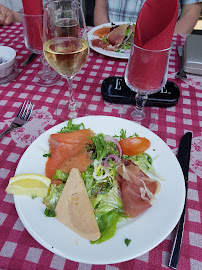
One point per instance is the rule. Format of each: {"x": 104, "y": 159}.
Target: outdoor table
{"x": 18, "y": 250}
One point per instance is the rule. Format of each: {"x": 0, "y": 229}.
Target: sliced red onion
{"x": 129, "y": 35}
{"x": 105, "y": 162}
{"x": 115, "y": 141}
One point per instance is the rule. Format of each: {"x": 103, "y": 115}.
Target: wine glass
{"x": 33, "y": 33}
{"x": 66, "y": 49}
{"x": 146, "y": 73}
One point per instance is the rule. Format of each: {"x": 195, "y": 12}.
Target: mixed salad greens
{"x": 100, "y": 180}
{"x": 126, "y": 44}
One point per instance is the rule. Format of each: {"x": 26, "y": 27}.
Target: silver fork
{"x": 22, "y": 117}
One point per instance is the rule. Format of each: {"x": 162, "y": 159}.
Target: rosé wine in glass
{"x": 146, "y": 73}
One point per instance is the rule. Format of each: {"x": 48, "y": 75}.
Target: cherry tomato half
{"x": 134, "y": 146}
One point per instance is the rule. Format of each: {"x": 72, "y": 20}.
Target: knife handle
{"x": 29, "y": 59}
{"x": 175, "y": 253}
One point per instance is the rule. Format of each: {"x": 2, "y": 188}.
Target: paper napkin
{"x": 154, "y": 30}
{"x": 33, "y": 7}
{"x": 156, "y": 24}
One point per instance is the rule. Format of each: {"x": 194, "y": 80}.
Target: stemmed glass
{"x": 66, "y": 49}
{"x": 33, "y": 33}
{"x": 146, "y": 73}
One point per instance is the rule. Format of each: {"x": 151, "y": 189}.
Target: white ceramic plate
{"x": 146, "y": 231}
{"x": 122, "y": 55}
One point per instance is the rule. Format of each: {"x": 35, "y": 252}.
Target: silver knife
{"x": 29, "y": 59}
{"x": 183, "y": 158}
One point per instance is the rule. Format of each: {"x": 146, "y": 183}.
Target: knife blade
{"x": 29, "y": 59}
{"x": 184, "y": 159}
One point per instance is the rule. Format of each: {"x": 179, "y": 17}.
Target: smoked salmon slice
{"x": 101, "y": 32}
{"x": 68, "y": 151}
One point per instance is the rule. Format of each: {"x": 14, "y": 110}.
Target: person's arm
{"x": 188, "y": 18}
{"x": 100, "y": 12}
{"x": 8, "y": 16}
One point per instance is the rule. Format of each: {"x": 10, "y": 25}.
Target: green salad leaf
{"x": 60, "y": 175}
{"x": 72, "y": 127}
{"x": 107, "y": 225}
{"x": 101, "y": 148}
{"x": 127, "y": 241}
{"x": 52, "y": 198}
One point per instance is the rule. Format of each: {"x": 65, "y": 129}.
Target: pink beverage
{"x": 146, "y": 69}
{"x": 33, "y": 31}
{"x": 67, "y": 27}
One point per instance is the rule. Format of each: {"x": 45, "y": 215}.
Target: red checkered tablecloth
{"x": 18, "y": 250}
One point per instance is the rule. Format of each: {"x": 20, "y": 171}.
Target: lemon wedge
{"x": 29, "y": 184}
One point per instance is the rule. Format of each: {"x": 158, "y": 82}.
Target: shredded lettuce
{"x": 101, "y": 148}
{"x": 124, "y": 136}
{"x": 104, "y": 203}
{"x": 52, "y": 198}
{"x": 103, "y": 193}
{"x": 72, "y": 127}
{"x": 60, "y": 175}
{"x": 109, "y": 211}
{"x": 145, "y": 163}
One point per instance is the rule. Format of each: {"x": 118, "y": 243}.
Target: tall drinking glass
{"x": 66, "y": 49}
{"x": 146, "y": 73}
{"x": 33, "y": 33}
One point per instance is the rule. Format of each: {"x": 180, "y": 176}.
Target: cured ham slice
{"x": 137, "y": 188}
{"x": 117, "y": 35}
{"x": 103, "y": 44}
{"x": 68, "y": 151}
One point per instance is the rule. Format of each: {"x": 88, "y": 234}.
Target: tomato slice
{"x": 134, "y": 146}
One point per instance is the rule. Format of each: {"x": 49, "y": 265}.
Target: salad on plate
{"x": 98, "y": 180}
{"x": 113, "y": 38}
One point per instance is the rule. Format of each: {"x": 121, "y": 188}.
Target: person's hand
{"x": 6, "y": 16}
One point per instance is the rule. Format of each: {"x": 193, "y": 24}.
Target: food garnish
{"x": 29, "y": 184}
{"x": 127, "y": 241}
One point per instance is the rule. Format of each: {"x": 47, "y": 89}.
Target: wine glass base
{"x": 49, "y": 80}
{"x": 147, "y": 119}
{"x": 64, "y": 111}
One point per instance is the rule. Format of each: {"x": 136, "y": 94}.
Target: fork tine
{"x": 22, "y": 107}
{"x": 25, "y": 111}
{"x": 29, "y": 111}
{"x": 23, "y": 114}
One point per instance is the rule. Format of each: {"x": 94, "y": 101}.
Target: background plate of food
{"x": 112, "y": 39}
{"x": 134, "y": 236}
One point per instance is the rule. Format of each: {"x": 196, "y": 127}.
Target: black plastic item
{"x": 115, "y": 90}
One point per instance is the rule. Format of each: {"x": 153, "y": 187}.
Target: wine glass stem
{"x": 72, "y": 103}
{"x": 139, "y": 109}
{"x": 45, "y": 68}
